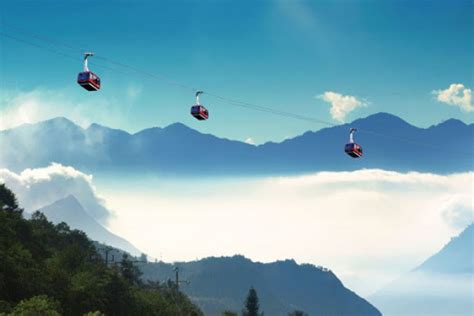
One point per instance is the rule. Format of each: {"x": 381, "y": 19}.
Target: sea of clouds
{"x": 368, "y": 226}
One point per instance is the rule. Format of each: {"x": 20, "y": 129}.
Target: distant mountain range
{"x": 442, "y": 285}
{"x": 218, "y": 284}
{"x": 388, "y": 142}
{"x": 70, "y": 211}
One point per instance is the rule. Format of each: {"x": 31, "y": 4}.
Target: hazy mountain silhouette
{"x": 218, "y": 284}
{"x": 442, "y": 285}
{"x": 177, "y": 149}
{"x": 70, "y": 211}
{"x": 456, "y": 257}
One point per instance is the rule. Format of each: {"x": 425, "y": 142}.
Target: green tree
{"x": 252, "y": 305}
{"x": 297, "y": 313}
{"x": 96, "y": 313}
{"x": 40, "y": 305}
{"x": 228, "y": 313}
{"x": 52, "y": 270}
{"x": 7, "y": 198}
{"x": 129, "y": 271}
{"x": 5, "y": 307}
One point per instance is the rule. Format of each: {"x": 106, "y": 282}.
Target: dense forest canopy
{"x": 53, "y": 270}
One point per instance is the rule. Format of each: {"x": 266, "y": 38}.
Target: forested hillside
{"x": 53, "y": 270}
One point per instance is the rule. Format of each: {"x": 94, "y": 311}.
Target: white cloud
{"x": 369, "y": 226}
{"x": 249, "y": 140}
{"x": 341, "y": 105}
{"x": 457, "y": 95}
{"x": 458, "y": 210}
{"x": 36, "y": 188}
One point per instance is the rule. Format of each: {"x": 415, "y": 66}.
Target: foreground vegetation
{"x": 48, "y": 269}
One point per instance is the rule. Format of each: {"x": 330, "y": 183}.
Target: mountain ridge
{"x": 453, "y": 257}
{"x": 377, "y": 115}
{"x": 388, "y": 141}
{"x": 221, "y": 283}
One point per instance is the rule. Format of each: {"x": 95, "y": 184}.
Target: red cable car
{"x": 198, "y": 110}
{"x": 352, "y": 149}
{"x": 87, "y": 79}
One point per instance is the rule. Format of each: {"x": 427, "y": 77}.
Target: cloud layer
{"x": 36, "y": 188}
{"x": 341, "y": 105}
{"x": 369, "y": 226}
{"x": 456, "y": 95}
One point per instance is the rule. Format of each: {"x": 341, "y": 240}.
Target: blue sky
{"x": 389, "y": 55}
{"x": 373, "y": 55}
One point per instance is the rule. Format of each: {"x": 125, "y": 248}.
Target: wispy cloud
{"x": 20, "y": 107}
{"x": 456, "y": 95}
{"x": 341, "y": 105}
{"x": 134, "y": 91}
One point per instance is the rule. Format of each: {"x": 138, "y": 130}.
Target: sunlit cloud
{"x": 456, "y": 95}
{"x": 360, "y": 224}
{"x": 341, "y": 105}
{"x": 36, "y": 188}
{"x": 250, "y": 141}
{"x": 457, "y": 210}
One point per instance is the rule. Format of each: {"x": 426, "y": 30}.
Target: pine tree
{"x": 252, "y": 305}
{"x": 297, "y": 313}
{"x": 129, "y": 271}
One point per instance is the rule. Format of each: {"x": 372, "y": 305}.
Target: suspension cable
{"x": 160, "y": 77}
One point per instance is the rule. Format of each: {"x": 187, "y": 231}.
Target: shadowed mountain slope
{"x": 70, "y": 211}
{"x": 218, "y": 284}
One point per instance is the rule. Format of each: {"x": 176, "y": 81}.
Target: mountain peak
{"x": 383, "y": 117}
{"x": 70, "y": 211}
{"x": 97, "y": 126}
{"x": 59, "y": 121}
{"x": 70, "y": 202}
{"x": 450, "y": 123}
{"x": 178, "y": 127}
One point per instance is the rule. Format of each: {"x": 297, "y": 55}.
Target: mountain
{"x": 218, "y": 284}
{"x": 456, "y": 257}
{"x": 70, "y": 211}
{"x": 442, "y": 285}
{"x": 388, "y": 142}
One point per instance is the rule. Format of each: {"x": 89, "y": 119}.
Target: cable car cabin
{"x": 199, "y": 112}
{"x": 353, "y": 150}
{"x": 89, "y": 80}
